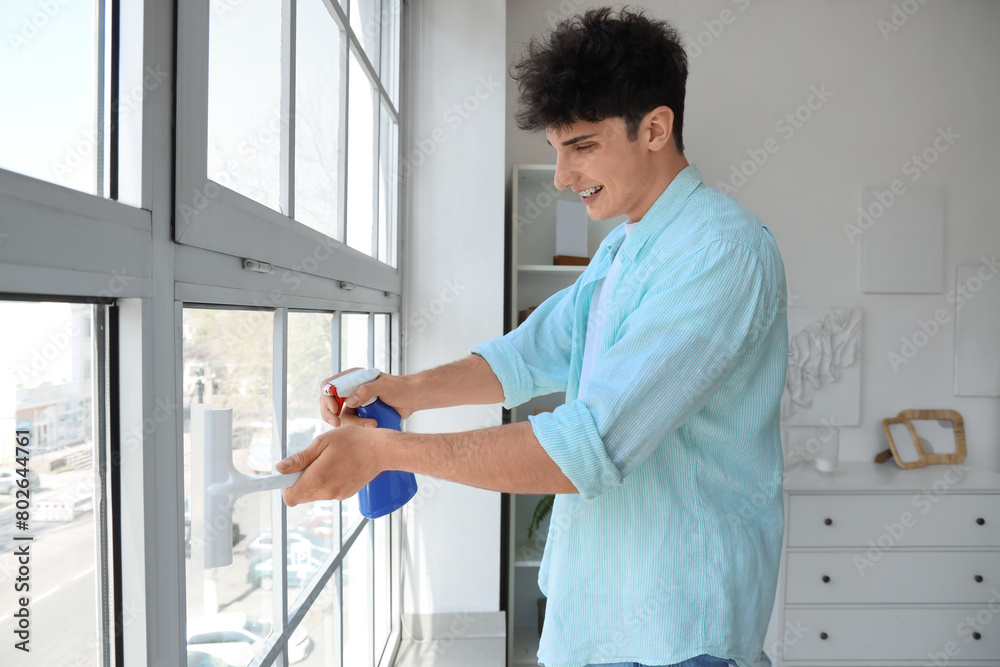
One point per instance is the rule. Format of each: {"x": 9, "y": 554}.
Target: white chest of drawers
{"x": 883, "y": 566}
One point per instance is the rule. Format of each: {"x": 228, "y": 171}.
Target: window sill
{"x": 453, "y": 640}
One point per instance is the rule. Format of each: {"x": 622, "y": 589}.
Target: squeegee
{"x": 224, "y": 485}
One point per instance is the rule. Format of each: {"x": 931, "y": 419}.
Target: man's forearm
{"x": 468, "y": 381}
{"x": 505, "y": 458}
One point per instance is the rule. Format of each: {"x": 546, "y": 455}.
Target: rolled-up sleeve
{"x": 670, "y": 355}
{"x": 533, "y": 359}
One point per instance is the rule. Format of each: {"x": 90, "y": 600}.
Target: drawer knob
{"x": 981, "y": 521}
{"x": 826, "y": 579}
{"x": 829, "y": 521}
{"x": 823, "y": 636}
{"x": 976, "y": 636}
{"x": 978, "y": 578}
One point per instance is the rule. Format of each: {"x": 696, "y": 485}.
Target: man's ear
{"x": 658, "y": 128}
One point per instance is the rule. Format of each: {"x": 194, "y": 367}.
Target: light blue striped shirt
{"x": 671, "y": 547}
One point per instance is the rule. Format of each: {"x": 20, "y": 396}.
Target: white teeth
{"x": 589, "y": 192}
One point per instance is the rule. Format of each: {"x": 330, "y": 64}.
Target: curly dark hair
{"x": 602, "y": 65}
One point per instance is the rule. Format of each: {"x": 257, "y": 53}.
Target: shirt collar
{"x": 663, "y": 211}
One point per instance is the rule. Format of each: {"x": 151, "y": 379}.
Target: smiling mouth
{"x": 589, "y": 193}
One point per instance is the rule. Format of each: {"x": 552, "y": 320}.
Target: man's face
{"x": 612, "y": 175}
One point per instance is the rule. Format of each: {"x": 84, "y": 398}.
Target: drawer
{"x": 891, "y": 634}
{"x": 886, "y": 521}
{"x": 873, "y": 577}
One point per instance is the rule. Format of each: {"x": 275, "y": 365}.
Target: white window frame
{"x": 56, "y": 242}
{"x": 211, "y": 216}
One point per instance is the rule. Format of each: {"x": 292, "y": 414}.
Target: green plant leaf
{"x": 542, "y": 510}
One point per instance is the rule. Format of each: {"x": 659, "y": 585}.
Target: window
{"x": 177, "y": 322}
{"x": 296, "y": 138}
{"x": 340, "y": 611}
{"x": 58, "y": 555}
{"x": 78, "y": 119}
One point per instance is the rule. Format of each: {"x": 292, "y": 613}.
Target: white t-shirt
{"x": 596, "y": 320}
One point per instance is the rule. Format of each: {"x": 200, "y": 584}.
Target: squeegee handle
{"x": 241, "y": 484}
{"x": 275, "y": 481}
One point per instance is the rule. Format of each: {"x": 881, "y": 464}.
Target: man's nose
{"x": 564, "y": 176}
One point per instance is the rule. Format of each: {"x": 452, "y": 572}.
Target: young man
{"x": 664, "y": 541}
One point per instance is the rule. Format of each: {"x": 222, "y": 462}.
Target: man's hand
{"x": 335, "y": 465}
{"x": 394, "y": 391}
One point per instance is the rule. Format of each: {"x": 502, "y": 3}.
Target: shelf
{"x": 539, "y": 269}
{"x": 525, "y": 647}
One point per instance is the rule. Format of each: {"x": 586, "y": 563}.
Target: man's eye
{"x": 584, "y": 147}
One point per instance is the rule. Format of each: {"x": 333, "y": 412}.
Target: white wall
{"x": 891, "y": 92}
{"x": 453, "y": 268}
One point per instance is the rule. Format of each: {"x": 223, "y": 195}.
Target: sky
{"x": 48, "y": 75}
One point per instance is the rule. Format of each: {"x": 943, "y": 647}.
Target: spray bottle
{"x": 391, "y": 489}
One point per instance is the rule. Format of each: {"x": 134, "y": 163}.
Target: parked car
{"x": 261, "y": 572}
{"x": 199, "y": 659}
{"x": 10, "y": 476}
{"x": 320, "y": 526}
{"x": 235, "y": 638}
{"x": 321, "y": 508}
{"x": 260, "y": 546}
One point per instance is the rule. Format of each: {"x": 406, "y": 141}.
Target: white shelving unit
{"x": 533, "y": 278}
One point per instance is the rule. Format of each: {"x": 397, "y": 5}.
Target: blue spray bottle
{"x": 391, "y": 489}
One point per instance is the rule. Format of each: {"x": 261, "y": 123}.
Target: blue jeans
{"x": 703, "y": 660}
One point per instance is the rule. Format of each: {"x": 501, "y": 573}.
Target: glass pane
{"x": 382, "y": 360}
{"x": 350, "y": 516}
{"x": 135, "y": 83}
{"x": 358, "y": 629}
{"x": 318, "y": 88}
{"x": 365, "y": 24}
{"x": 244, "y": 98}
{"x": 316, "y": 641}
{"x": 312, "y": 529}
{"x": 387, "y": 188}
{"x": 353, "y": 340}
{"x": 46, "y": 390}
{"x": 383, "y": 620}
{"x": 49, "y": 66}
{"x": 360, "y": 158}
{"x": 389, "y": 62}
{"x": 227, "y": 363}
{"x": 353, "y": 353}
